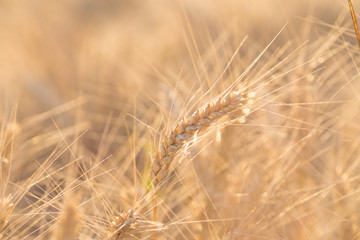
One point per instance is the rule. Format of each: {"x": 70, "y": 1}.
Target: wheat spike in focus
{"x": 185, "y": 130}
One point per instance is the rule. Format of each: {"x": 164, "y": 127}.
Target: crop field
{"x": 184, "y": 119}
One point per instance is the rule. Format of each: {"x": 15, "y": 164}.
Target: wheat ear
{"x": 185, "y": 130}
{"x": 123, "y": 223}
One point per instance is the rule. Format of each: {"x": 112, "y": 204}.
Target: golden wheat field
{"x": 185, "y": 119}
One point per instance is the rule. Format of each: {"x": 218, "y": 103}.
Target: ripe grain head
{"x": 185, "y": 130}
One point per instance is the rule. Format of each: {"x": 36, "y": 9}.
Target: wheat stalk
{"x": 185, "y": 130}
{"x": 6, "y": 208}
{"x": 68, "y": 224}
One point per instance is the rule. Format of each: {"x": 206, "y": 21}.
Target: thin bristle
{"x": 353, "y": 17}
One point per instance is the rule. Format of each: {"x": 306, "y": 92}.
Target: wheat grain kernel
{"x": 155, "y": 166}
{"x": 204, "y": 121}
{"x": 161, "y": 175}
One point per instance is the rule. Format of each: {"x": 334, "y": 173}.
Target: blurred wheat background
{"x": 89, "y": 88}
